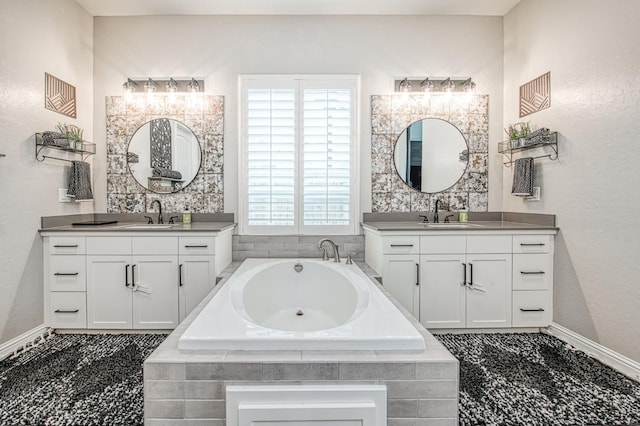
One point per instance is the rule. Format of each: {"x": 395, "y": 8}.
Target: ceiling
{"x": 297, "y": 7}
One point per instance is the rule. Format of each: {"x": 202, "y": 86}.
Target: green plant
{"x": 518, "y": 130}
{"x": 71, "y": 132}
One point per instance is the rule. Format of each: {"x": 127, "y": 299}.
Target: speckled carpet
{"x": 73, "y": 379}
{"x": 536, "y": 379}
{"x": 505, "y": 379}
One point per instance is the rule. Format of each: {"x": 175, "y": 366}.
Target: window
{"x": 298, "y": 155}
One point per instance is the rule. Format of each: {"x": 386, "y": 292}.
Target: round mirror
{"x": 164, "y": 155}
{"x": 431, "y": 155}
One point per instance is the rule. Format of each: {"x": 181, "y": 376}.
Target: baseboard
{"x": 621, "y": 363}
{"x": 18, "y": 342}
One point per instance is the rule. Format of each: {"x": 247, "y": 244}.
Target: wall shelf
{"x": 85, "y": 149}
{"x": 505, "y": 148}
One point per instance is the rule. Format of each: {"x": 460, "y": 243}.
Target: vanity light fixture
{"x": 193, "y": 86}
{"x": 426, "y": 85}
{"x": 150, "y": 87}
{"x": 129, "y": 86}
{"x": 448, "y": 86}
{"x": 469, "y": 86}
{"x": 163, "y": 85}
{"x": 405, "y": 86}
{"x": 172, "y": 86}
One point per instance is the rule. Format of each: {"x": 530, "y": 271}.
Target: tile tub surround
{"x": 303, "y": 246}
{"x": 391, "y": 114}
{"x": 422, "y": 386}
{"x": 205, "y": 193}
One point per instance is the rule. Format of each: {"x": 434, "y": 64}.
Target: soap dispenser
{"x": 463, "y": 215}
{"x": 186, "y": 216}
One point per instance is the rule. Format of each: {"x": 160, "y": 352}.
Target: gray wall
{"x": 591, "y": 48}
{"x": 35, "y": 37}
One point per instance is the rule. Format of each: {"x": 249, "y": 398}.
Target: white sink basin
{"x": 449, "y": 225}
{"x": 150, "y": 226}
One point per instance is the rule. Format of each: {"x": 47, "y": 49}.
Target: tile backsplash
{"x": 391, "y": 114}
{"x": 205, "y": 117}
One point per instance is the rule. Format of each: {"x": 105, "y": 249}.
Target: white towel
{"x": 523, "y": 171}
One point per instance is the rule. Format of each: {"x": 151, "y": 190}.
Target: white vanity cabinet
{"x": 65, "y": 279}
{"x": 467, "y": 279}
{"x": 129, "y": 280}
{"x": 197, "y": 271}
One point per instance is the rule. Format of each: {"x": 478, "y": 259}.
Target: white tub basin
{"x": 149, "y": 226}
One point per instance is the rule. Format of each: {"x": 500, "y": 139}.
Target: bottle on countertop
{"x": 186, "y": 216}
{"x": 463, "y": 216}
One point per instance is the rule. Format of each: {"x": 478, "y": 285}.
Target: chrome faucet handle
{"x": 425, "y": 218}
{"x": 349, "y": 261}
{"x": 446, "y": 219}
{"x": 325, "y": 254}
{"x": 173, "y": 217}
{"x": 149, "y": 220}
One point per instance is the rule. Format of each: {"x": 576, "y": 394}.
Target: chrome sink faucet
{"x": 336, "y": 254}
{"x": 160, "y": 219}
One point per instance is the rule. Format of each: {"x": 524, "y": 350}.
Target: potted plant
{"x": 517, "y": 134}
{"x": 512, "y": 133}
{"x": 72, "y": 133}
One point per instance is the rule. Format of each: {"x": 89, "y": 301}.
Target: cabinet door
{"x": 197, "y": 279}
{"x": 442, "y": 291}
{"x": 489, "y": 291}
{"x": 109, "y": 300}
{"x": 400, "y": 278}
{"x": 155, "y": 292}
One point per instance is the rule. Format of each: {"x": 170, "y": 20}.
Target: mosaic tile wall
{"x": 391, "y": 114}
{"x": 205, "y": 117}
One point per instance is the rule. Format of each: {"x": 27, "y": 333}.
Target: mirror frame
{"x": 464, "y": 152}
{"x": 146, "y": 186}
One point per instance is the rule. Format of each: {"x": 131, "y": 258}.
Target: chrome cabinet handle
{"x": 180, "y": 284}
{"x": 66, "y": 274}
{"x": 67, "y": 311}
{"x": 417, "y": 274}
{"x": 532, "y": 244}
{"x": 133, "y": 276}
{"x": 464, "y": 276}
{"x": 126, "y": 275}
{"x": 401, "y": 245}
{"x": 532, "y": 272}
{"x": 532, "y": 309}
{"x": 471, "y": 274}
{"x": 66, "y": 246}
{"x": 204, "y": 246}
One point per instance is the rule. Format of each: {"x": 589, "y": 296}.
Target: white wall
{"x": 36, "y": 36}
{"x": 592, "y": 50}
{"x": 219, "y": 48}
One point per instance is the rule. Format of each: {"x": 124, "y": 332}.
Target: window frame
{"x": 299, "y": 83}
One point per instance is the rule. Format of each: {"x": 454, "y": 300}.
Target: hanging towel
{"x": 523, "y": 171}
{"x": 80, "y": 181}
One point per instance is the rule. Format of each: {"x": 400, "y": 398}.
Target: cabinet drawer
{"x": 489, "y": 244}
{"x": 196, "y": 245}
{"x": 533, "y": 243}
{"x": 443, "y": 244}
{"x": 155, "y": 245}
{"x": 66, "y": 245}
{"x": 109, "y": 245}
{"x": 68, "y": 309}
{"x": 532, "y": 271}
{"x": 400, "y": 245}
{"x": 531, "y": 308}
{"x": 67, "y": 273}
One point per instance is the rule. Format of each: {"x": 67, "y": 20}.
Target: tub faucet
{"x": 336, "y": 255}
{"x": 160, "y": 220}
